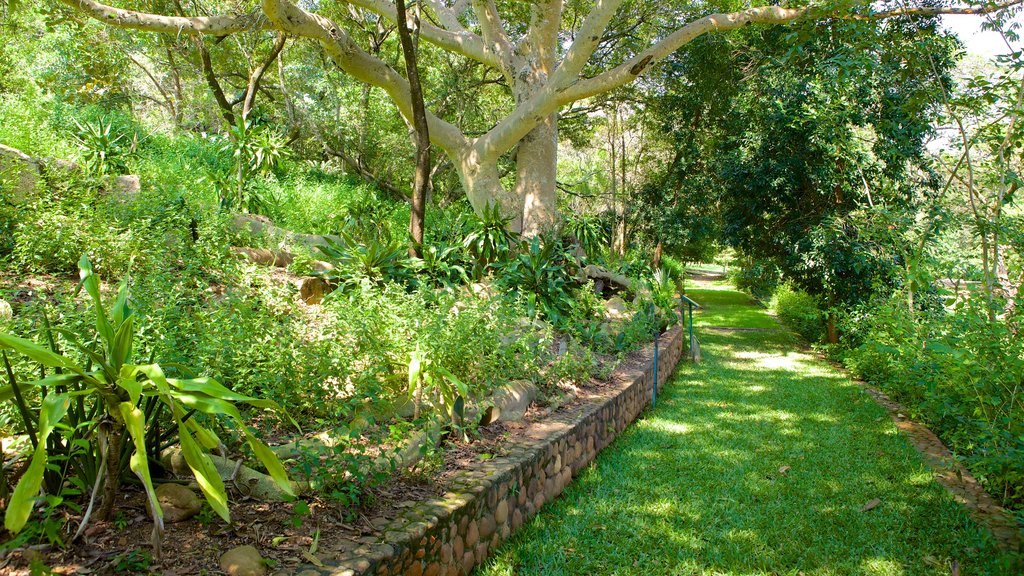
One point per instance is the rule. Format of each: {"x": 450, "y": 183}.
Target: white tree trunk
{"x": 537, "y": 177}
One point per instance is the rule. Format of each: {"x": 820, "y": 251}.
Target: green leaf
{"x": 91, "y": 282}
{"x": 205, "y": 472}
{"x": 156, "y": 374}
{"x": 121, "y": 347}
{"x": 121, "y": 311}
{"x": 206, "y": 404}
{"x": 7, "y": 392}
{"x": 206, "y": 438}
{"x": 214, "y": 389}
{"x": 54, "y": 407}
{"x": 38, "y": 353}
{"x": 130, "y": 382}
{"x": 271, "y": 463}
{"x": 135, "y": 422}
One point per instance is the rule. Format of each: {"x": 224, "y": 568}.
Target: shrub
{"x": 799, "y": 311}
{"x": 959, "y": 372}
{"x": 760, "y": 279}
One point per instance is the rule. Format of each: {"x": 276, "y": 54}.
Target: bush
{"x": 959, "y": 372}
{"x": 799, "y": 311}
{"x": 760, "y": 279}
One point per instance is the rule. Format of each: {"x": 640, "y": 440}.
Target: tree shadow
{"x": 760, "y": 460}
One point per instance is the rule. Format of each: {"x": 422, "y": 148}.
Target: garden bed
{"x": 435, "y": 520}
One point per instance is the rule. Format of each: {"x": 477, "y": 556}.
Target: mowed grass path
{"x": 757, "y": 461}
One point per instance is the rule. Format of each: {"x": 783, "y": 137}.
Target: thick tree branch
{"x": 460, "y": 41}
{"x": 587, "y": 39}
{"x": 286, "y": 17}
{"x": 449, "y": 18}
{"x": 348, "y": 56}
{"x": 532, "y": 112}
{"x": 545, "y": 23}
{"x": 212, "y": 25}
{"x": 495, "y": 37}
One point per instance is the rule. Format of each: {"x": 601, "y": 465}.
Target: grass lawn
{"x": 757, "y": 461}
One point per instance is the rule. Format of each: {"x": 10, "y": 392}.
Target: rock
{"x": 510, "y": 402}
{"x": 243, "y": 561}
{"x": 177, "y": 502}
{"x": 126, "y": 188}
{"x": 615, "y": 308}
{"x": 21, "y": 170}
{"x": 481, "y": 290}
{"x": 313, "y": 289}
{"x": 27, "y": 174}
{"x": 6, "y": 314}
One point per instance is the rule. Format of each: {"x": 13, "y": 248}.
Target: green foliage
{"x": 105, "y": 152}
{"x": 545, "y": 272}
{"x": 356, "y": 262}
{"x": 254, "y": 149}
{"x": 121, "y": 390}
{"x": 589, "y": 231}
{"x": 487, "y": 239}
{"x": 799, "y": 310}
{"x": 758, "y": 278}
{"x": 957, "y": 371}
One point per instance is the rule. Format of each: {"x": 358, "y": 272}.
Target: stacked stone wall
{"x": 454, "y": 533}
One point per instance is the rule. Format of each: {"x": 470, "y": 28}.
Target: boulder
{"x": 27, "y": 173}
{"x": 243, "y": 561}
{"x": 177, "y": 502}
{"x": 615, "y": 309}
{"x": 313, "y": 289}
{"x": 6, "y": 314}
{"x": 126, "y": 188}
{"x": 20, "y": 169}
{"x": 510, "y": 402}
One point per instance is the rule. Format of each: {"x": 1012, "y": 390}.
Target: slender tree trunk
{"x": 422, "y": 177}
{"x": 253, "y": 86}
{"x": 110, "y": 487}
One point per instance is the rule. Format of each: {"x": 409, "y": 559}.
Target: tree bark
{"x": 113, "y": 480}
{"x": 419, "y": 114}
{"x": 253, "y": 86}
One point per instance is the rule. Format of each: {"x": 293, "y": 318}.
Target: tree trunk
{"x": 536, "y": 177}
{"x": 422, "y": 177}
{"x": 830, "y": 326}
{"x": 113, "y": 480}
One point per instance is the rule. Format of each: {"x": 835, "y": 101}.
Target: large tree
{"x": 550, "y": 54}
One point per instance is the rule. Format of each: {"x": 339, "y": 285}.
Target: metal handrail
{"x": 684, "y": 300}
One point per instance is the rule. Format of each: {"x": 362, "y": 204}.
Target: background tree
{"x": 544, "y": 71}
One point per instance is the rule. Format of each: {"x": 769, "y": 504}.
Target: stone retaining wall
{"x": 452, "y": 534}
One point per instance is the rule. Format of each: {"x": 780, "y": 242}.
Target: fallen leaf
{"x": 783, "y": 470}
{"x": 871, "y": 505}
{"x": 312, "y": 559}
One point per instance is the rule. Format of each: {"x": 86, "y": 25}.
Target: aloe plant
{"x": 120, "y": 388}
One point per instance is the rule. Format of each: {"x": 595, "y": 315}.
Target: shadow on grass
{"x": 757, "y": 461}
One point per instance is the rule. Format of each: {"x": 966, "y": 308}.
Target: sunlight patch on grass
{"x": 756, "y": 461}
{"x": 674, "y": 427}
{"x": 881, "y": 566}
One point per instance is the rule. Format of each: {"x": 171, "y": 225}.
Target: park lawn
{"x": 759, "y": 460}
